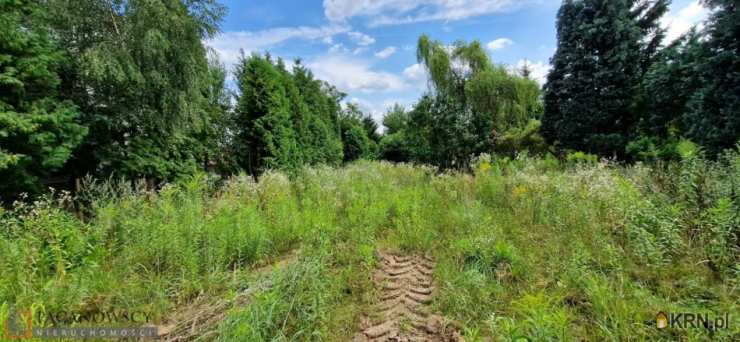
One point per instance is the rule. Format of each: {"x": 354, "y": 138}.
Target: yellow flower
{"x": 484, "y": 167}
{"x": 519, "y": 190}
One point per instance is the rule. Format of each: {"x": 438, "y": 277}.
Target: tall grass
{"x": 525, "y": 247}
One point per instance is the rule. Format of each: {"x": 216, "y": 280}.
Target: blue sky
{"x": 367, "y": 47}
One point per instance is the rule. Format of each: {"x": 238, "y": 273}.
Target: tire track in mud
{"x": 406, "y": 287}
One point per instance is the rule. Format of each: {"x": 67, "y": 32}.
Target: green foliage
{"x": 357, "y": 134}
{"x": 286, "y": 120}
{"x": 38, "y": 131}
{"x": 266, "y": 138}
{"x": 691, "y": 90}
{"x": 669, "y": 84}
{"x": 579, "y": 157}
{"x": 527, "y": 248}
{"x": 604, "y": 48}
{"x": 654, "y": 148}
{"x": 473, "y": 107}
{"x": 525, "y": 138}
{"x": 141, "y": 76}
{"x": 713, "y": 117}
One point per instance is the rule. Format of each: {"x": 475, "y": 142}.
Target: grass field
{"x": 526, "y": 248}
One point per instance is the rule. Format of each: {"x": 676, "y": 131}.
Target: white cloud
{"x": 229, "y": 44}
{"x": 417, "y": 76}
{"x": 394, "y": 12}
{"x": 499, "y": 44}
{"x": 339, "y": 10}
{"x": 539, "y": 70}
{"x": 337, "y": 48}
{"x": 360, "y": 38}
{"x": 681, "y": 21}
{"x": 352, "y": 74}
{"x": 385, "y": 53}
{"x": 373, "y": 108}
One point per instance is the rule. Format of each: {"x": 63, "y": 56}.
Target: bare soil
{"x": 402, "y": 314}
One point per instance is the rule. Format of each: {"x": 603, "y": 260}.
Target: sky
{"x": 367, "y": 48}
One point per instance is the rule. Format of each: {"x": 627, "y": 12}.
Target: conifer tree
{"x": 604, "y": 48}
{"x": 38, "y": 131}
{"x": 265, "y": 135}
{"x": 713, "y": 117}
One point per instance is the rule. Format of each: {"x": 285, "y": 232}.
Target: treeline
{"x": 289, "y": 119}
{"x": 615, "y": 91}
{"x": 127, "y": 89}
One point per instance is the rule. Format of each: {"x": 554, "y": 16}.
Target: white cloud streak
{"x": 416, "y": 75}
{"x": 360, "y": 38}
{"x": 385, "y": 53}
{"x": 499, "y": 44}
{"x": 352, "y": 74}
{"x": 229, "y": 44}
{"x": 395, "y": 12}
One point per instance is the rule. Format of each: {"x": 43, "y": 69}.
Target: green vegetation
{"x": 38, "y": 132}
{"x": 127, "y": 89}
{"x": 633, "y": 99}
{"x": 473, "y": 107}
{"x": 692, "y": 89}
{"x": 134, "y": 178}
{"x": 525, "y": 247}
{"x": 604, "y": 48}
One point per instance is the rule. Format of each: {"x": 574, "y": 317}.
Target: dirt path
{"x": 402, "y": 313}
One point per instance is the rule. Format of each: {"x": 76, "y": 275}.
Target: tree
{"x": 713, "y": 116}
{"x": 140, "y": 74}
{"x": 396, "y": 119}
{"x": 38, "y": 131}
{"x": 265, "y": 136}
{"x": 526, "y": 70}
{"x": 669, "y": 84}
{"x": 214, "y": 138}
{"x": 604, "y": 48}
{"x": 371, "y": 128}
{"x": 691, "y": 91}
{"x": 471, "y": 105}
{"x": 394, "y": 145}
{"x": 319, "y": 132}
{"x": 357, "y": 144}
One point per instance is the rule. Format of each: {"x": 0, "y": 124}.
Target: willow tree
{"x": 475, "y": 102}
{"x": 140, "y": 73}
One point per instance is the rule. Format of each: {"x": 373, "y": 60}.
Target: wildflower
{"x": 519, "y": 190}
{"x": 484, "y": 167}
